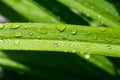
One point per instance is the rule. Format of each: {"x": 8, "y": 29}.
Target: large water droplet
{"x": 2, "y": 26}
{"x": 55, "y": 44}
{"x": 43, "y": 30}
{"x": 87, "y": 56}
{"x": 109, "y": 46}
{"x": 61, "y": 27}
{"x": 18, "y": 34}
{"x": 74, "y": 32}
{"x": 14, "y": 26}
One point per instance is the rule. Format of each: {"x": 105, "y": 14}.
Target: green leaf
{"x": 92, "y": 9}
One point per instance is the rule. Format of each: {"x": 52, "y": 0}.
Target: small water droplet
{"x": 55, "y": 44}
{"x": 26, "y": 27}
{"x": 89, "y": 32}
{"x": 39, "y": 37}
{"x": 71, "y": 45}
{"x": 18, "y": 34}
{"x": 99, "y": 16}
{"x": 103, "y": 29}
{"x": 2, "y": 26}
{"x": 109, "y": 46}
{"x": 87, "y": 56}
{"x": 43, "y": 30}
{"x": 14, "y": 26}
{"x": 73, "y": 51}
{"x": 94, "y": 37}
{"x": 74, "y": 32}
{"x": 108, "y": 39}
{"x": 17, "y": 42}
{"x": 30, "y": 33}
{"x": 115, "y": 36}
{"x": 1, "y": 41}
{"x": 61, "y": 27}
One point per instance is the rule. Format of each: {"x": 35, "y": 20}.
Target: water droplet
{"x": 1, "y": 40}
{"x": 89, "y": 32}
{"x": 18, "y": 34}
{"x": 2, "y": 26}
{"x": 108, "y": 46}
{"x": 71, "y": 45}
{"x": 30, "y": 33}
{"x": 39, "y": 37}
{"x": 43, "y": 30}
{"x": 108, "y": 39}
{"x": 61, "y": 27}
{"x": 26, "y": 27}
{"x": 55, "y": 44}
{"x": 74, "y": 32}
{"x": 94, "y": 37}
{"x": 99, "y": 16}
{"x": 14, "y": 26}
{"x": 73, "y": 51}
{"x": 87, "y": 56}
{"x": 17, "y": 42}
{"x": 115, "y": 36}
{"x": 103, "y": 29}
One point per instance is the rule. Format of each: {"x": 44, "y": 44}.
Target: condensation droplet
{"x": 17, "y": 42}
{"x": 26, "y": 27}
{"x": 43, "y": 30}
{"x": 109, "y": 46}
{"x": 1, "y": 41}
{"x": 103, "y": 29}
{"x": 87, "y": 56}
{"x": 61, "y": 27}
{"x": 30, "y": 33}
{"x": 71, "y": 45}
{"x": 18, "y": 34}
{"x": 55, "y": 44}
{"x": 2, "y": 26}
{"x": 99, "y": 16}
{"x": 115, "y": 36}
{"x": 89, "y": 32}
{"x": 94, "y": 37}
{"x": 14, "y": 26}
{"x": 74, "y": 32}
{"x": 73, "y": 51}
{"x": 39, "y": 37}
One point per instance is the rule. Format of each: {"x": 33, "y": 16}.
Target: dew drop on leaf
{"x": 55, "y": 44}
{"x": 26, "y": 27}
{"x": 17, "y": 42}
{"x": 30, "y": 33}
{"x": 71, "y": 45}
{"x": 1, "y": 41}
{"x": 43, "y": 30}
{"x": 87, "y": 56}
{"x": 61, "y": 27}
{"x": 88, "y": 32}
{"x": 109, "y": 46}
{"x": 18, "y": 34}
{"x": 14, "y": 26}
{"x": 74, "y": 32}
{"x": 2, "y": 26}
{"x": 94, "y": 37}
